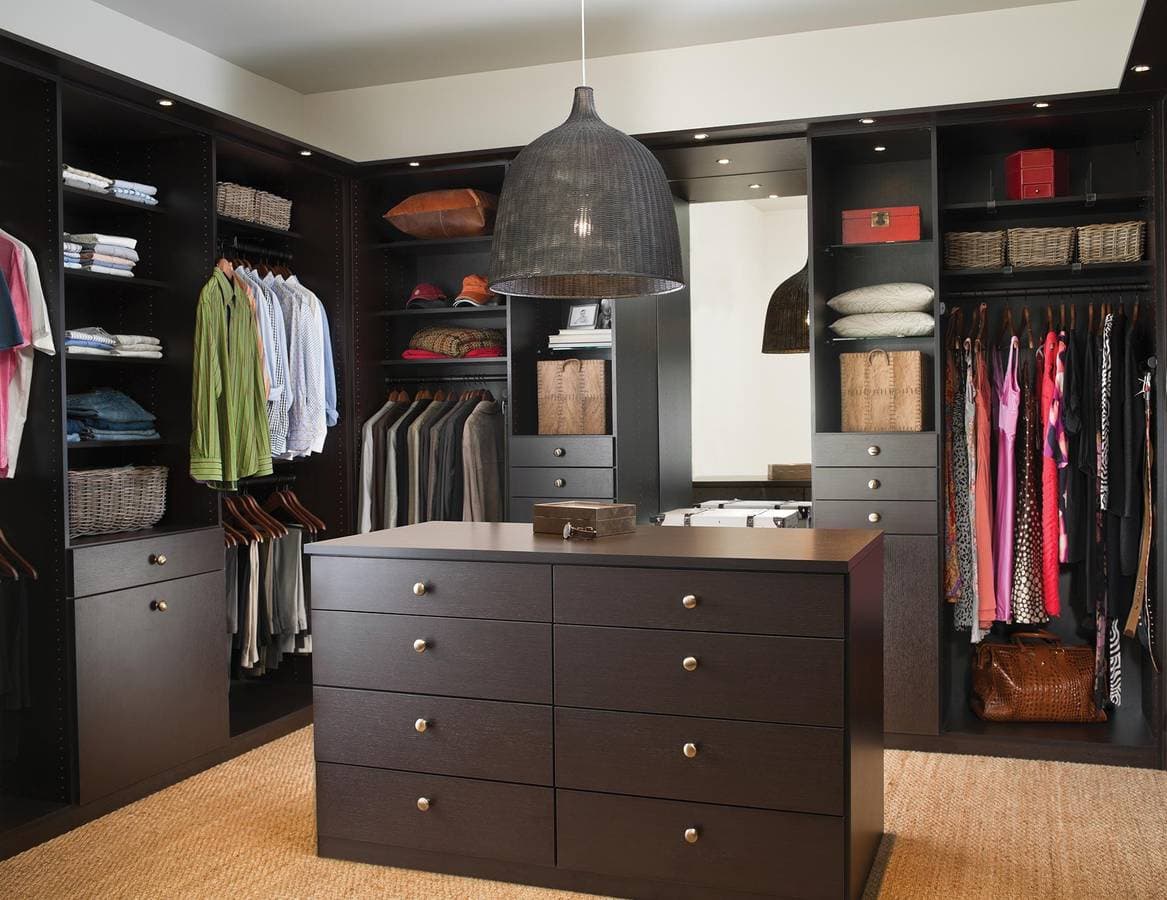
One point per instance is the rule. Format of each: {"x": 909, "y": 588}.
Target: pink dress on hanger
{"x": 1050, "y": 418}
{"x": 986, "y": 597}
{"x": 1008, "y": 408}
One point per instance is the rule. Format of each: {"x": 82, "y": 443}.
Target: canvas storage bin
{"x": 883, "y": 390}
{"x": 573, "y": 396}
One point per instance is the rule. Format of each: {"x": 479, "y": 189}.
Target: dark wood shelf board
{"x": 229, "y": 223}
{"x": 910, "y": 340}
{"x": 80, "y": 276}
{"x": 115, "y": 360}
{"x": 79, "y": 197}
{"x": 438, "y": 363}
{"x": 117, "y": 537}
{"x": 93, "y": 445}
{"x": 438, "y": 245}
{"x": 923, "y": 242}
{"x": 442, "y": 312}
{"x": 1098, "y": 202}
{"x": 1070, "y": 272}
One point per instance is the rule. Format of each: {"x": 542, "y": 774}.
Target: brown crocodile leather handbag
{"x": 1034, "y": 679}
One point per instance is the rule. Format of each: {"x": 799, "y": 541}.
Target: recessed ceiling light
{"x": 773, "y": 196}
{"x": 1140, "y": 68}
{"x": 165, "y": 101}
{"x": 1041, "y": 104}
{"x": 754, "y": 187}
{"x": 415, "y": 164}
{"x": 867, "y": 121}
{"x": 700, "y": 136}
{"x": 724, "y": 161}
{"x": 879, "y": 148}
{"x": 305, "y": 152}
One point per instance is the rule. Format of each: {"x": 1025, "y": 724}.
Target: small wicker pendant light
{"x": 585, "y": 211}
{"x": 786, "y": 326}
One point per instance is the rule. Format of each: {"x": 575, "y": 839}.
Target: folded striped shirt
{"x": 71, "y": 247}
{"x": 106, "y": 270}
{"x": 79, "y": 350}
{"x": 137, "y": 186}
{"x": 83, "y": 175}
{"x": 135, "y": 196}
{"x": 137, "y": 339}
{"x": 115, "y": 240}
{"x": 91, "y": 333}
{"x": 107, "y": 260}
{"x": 85, "y": 185}
{"x": 124, "y": 253}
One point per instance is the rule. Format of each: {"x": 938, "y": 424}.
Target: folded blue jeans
{"x": 107, "y": 404}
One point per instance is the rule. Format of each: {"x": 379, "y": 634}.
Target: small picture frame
{"x": 583, "y": 315}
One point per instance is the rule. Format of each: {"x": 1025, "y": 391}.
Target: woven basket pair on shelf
{"x": 241, "y": 202}
{"x": 1109, "y": 242}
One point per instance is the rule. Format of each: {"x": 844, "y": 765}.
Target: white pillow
{"x": 876, "y": 325}
{"x": 899, "y": 296}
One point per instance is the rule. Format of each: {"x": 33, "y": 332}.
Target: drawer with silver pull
{"x": 440, "y": 735}
{"x": 726, "y": 847}
{"x": 146, "y": 560}
{"x": 562, "y": 482}
{"x": 792, "y": 680}
{"x": 475, "y": 658}
{"x": 894, "y": 517}
{"x": 872, "y": 449}
{"x": 879, "y": 483}
{"x": 707, "y": 760}
{"x": 429, "y": 587}
{"x": 487, "y": 819}
{"x": 700, "y": 600}
{"x": 574, "y": 450}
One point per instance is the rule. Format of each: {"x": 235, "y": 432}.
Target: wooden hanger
{"x": 279, "y": 502}
{"x": 955, "y": 326}
{"x": 14, "y": 557}
{"x": 242, "y": 522}
{"x": 425, "y": 394}
{"x": 236, "y": 537}
{"x": 275, "y": 527}
{"x": 1027, "y": 326}
{"x": 440, "y": 395}
{"x": 317, "y": 522}
{"x": 1005, "y": 335}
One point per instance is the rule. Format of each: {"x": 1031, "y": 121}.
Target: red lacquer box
{"x": 881, "y": 226}
{"x": 1036, "y": 173}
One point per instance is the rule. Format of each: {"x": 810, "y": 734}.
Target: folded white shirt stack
{"x": 141, "y": 346}
{"x": 89, "y": 181}
{"x": 104, "y": 254}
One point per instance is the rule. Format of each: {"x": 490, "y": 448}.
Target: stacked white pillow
{"x": 896, "y": 309}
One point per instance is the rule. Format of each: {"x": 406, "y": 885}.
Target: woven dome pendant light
{"x": 786, "y": 328}
{"x": 585, "y": 212}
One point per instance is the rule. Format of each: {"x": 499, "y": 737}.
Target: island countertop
{"x": 774, "y": 550}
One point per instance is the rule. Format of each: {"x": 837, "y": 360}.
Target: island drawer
{"x": 695, "y": 600}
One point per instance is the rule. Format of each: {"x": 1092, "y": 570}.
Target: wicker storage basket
{"x": 235, "y": 200}
{"x": 273, "y": 210}
{"x": 1040, "y": 246}
{"x": 573, "y": 396}
{"x": 1111, "y": 242}
{"x": 883, "y": 391}
{"x": 123, "y": 499}
{"x": 974, "y": 249}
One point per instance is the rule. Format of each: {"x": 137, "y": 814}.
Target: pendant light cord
{"x": 583, "y": 45}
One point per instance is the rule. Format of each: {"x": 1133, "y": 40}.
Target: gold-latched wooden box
{"x": 602, "y": 518}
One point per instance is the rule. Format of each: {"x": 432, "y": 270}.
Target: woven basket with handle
{"x": 573, "y": 396}
{"x": 974, "y": 249}
{"x": 1040, "y": 246}
{"x": 1111, "y": 242}
{"x": 123, "y": 499}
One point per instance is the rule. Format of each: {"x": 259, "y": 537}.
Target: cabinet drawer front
{"x": 462, "y": 657}
{"x": 563, "y": 483}
{"x": 151, "y": 683}
{"x": 892, "y": 516}
{"x": 766, "y": 679}
{"x": 562, "y": 450}
{"x": 433, "y": 588}
{"x": 801, "y": 605}
{"x": 513, "y": 822}
{"x": 470, "y": 738}
{"x": 110, "y": 567}
{"x": 874, "y": 484}
{"x": 883, "y": 449}
{"x": 707, "y": 760}
{"x": 736, "y": 849}
{"x": 522, "y": 508}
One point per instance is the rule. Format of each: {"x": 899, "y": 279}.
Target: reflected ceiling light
{"x": 1041, "y": 104}
{"x": 165, "y": 101}
{"x": 754, "y": 187}
{"x": 1140, "y": 68}
{"x": 724, "y": 161}
{"x": 773, "y": 196}
{"x": 867, "y": 121}
{"x": 305, "y": 152}
{"x": 700, "y": 136}
{"x": 414, "y": 164}
{"x": 879, "y": 148}
{"x": 586, "y": 211}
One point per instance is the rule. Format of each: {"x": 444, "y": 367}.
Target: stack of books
{"x": 579, "y": 338}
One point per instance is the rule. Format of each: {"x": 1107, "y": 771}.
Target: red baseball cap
{"x": 427, "y": 295}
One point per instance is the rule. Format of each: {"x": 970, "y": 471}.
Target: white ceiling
{"x": 314, "y": 46}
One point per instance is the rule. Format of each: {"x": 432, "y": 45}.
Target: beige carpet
{"x": 958, "y": 827}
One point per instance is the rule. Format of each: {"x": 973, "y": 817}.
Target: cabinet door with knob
{"x": 151, "y": 680}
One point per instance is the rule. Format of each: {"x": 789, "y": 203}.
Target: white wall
{"x": 1003, "y": 54}
{"x": 1056, "y": 48}
{"x": 750, "y": 409}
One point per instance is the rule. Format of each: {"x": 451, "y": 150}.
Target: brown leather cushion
{"x": 463, "y": 212}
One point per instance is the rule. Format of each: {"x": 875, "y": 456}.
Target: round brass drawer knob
{"x": 559, "y": 451}
{"x": 157, "y": 559}
{"x": 689, "y": 664}
{"x": 873, "y": 517}
{"x": 874, "y": 484}
{"x": 420, "y": 645}
{"x": 873, "y": 450}
{"x": 420, "y": 726}
{"x": 691, "y": 835}
{"x": 159, "y": 605}
{"x": 690, "y": 750}
{"x": 689, "y": 601}
{"x": 423, "y": 803}
{"x": 559, "y": 482}
{"x": 419, "y": 589}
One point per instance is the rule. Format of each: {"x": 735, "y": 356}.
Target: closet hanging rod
{"x": 277, "y": 478}
{"x": 1039, "y": 292}
{"x": 447, "y": 380}
{"x": 255, "y": 249}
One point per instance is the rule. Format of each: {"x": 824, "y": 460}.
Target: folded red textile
{"x": 484, "y": 352}
{"x": 479, "y": 353}
{"x": 423, "y": 354}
